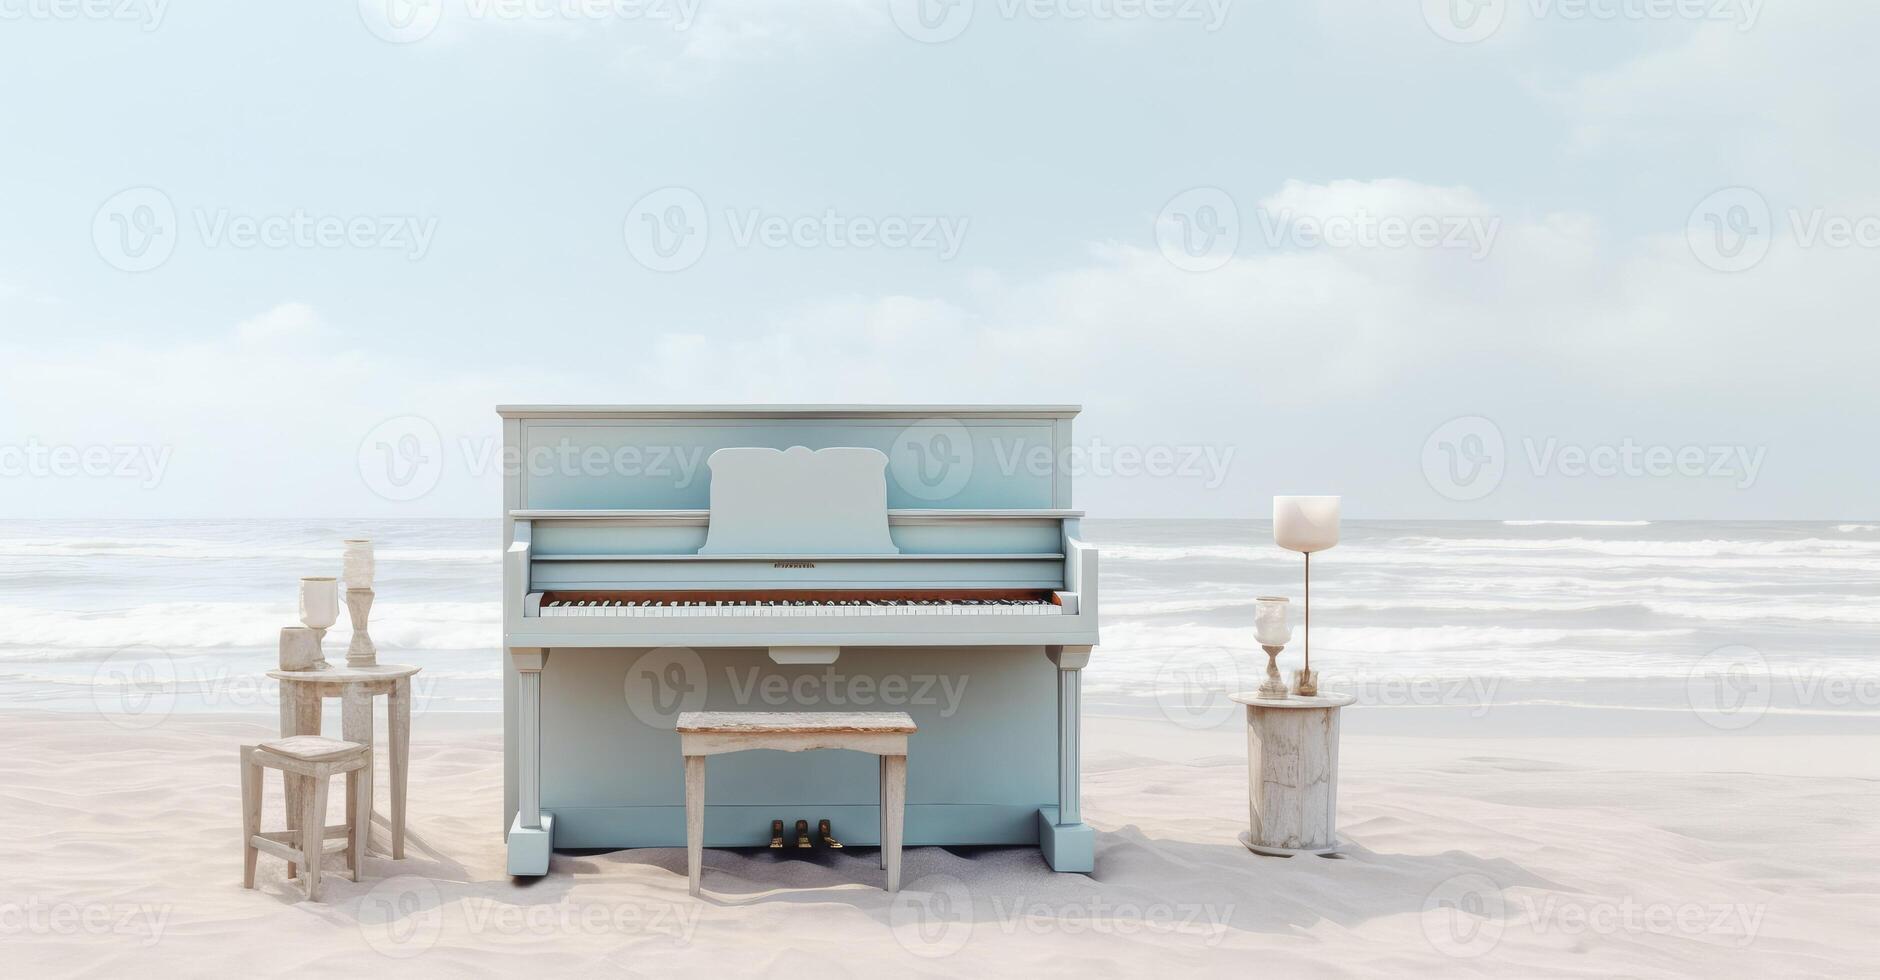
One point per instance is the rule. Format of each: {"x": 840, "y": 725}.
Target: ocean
{"x": 142, "y": 619}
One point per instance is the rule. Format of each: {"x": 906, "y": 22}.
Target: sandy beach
{"x": 1721, "y": 855}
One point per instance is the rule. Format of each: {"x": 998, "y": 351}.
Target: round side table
{"x": 1292, "y": 773}
{"x": 303, "y": 691}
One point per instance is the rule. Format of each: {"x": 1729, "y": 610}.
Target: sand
{"x": 1729, "y": 855}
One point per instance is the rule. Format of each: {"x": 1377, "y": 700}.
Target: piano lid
{"x": 798, "y": 501}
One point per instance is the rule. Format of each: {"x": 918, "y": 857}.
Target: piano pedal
{"x": 828, "y": 839}
{"x": 802, "y": 833}
{"x": 776, "y": 835}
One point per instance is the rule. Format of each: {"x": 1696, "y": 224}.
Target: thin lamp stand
{"x": 1305, "y": 682}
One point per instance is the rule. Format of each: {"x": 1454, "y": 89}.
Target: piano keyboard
{"x": 759, "y": 608}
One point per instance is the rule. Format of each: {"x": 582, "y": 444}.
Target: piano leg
{"x": 532, "y": 833}
{"x": 1068, "y": 844}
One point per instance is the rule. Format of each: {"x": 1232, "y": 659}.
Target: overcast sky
{"x": 1529, "y": 259}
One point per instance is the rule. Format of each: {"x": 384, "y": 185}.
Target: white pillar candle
{"x": 358, "y": 566}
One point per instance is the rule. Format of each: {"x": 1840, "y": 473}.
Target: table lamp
{"x": 1306, "y": 525}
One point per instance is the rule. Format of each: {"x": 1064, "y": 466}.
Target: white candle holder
{"x": 357, "y": 565}
{"x": 362, "y": 652}
{"x": 1271, "y": 628}
{"x": 319, "y": 610}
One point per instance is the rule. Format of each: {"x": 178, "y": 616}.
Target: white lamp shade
{"x": 1305, "y": 523}
{"x": 319, "y": 602}
{"x": 357, "y": 565}
{"x": 1270, "y": 622}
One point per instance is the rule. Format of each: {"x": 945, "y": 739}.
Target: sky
{"x": 1497, "y": 259}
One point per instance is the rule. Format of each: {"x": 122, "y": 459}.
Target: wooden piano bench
{"x": 880, "y": 733}
{"x": 309, "y": 761}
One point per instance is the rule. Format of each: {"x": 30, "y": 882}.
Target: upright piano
{"x": 662, "y": 559}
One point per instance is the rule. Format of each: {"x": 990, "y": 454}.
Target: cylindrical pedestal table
{"x": 1292, "y": 773}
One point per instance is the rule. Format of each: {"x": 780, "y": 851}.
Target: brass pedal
{"x": 776, "y": 835}
{"x": 802, "y": 833}
{"x": 828, "y": 839}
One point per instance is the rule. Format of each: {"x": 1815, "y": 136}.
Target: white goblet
{"x": 319, "y": 607}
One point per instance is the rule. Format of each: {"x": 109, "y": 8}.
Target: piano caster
{"x": 776, "y": 835}
{"x": 802, "y": 833}
{"x": 828, "y": 839}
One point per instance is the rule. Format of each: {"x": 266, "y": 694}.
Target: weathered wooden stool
{"x": 306, "y": 762}
{"x": 880, "y": 733}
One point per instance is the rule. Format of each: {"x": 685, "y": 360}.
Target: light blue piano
{"x": 811, "y": 558}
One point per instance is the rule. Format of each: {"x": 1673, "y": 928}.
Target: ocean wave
{"x": 1378, "y": 639}
{"x": 1857, "y": 528}
{"x": 197, "y": 549}
{"x": 1579, "y": 523}
{"x": 32, "y": 631}
{"x": 1852, "y": 610}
